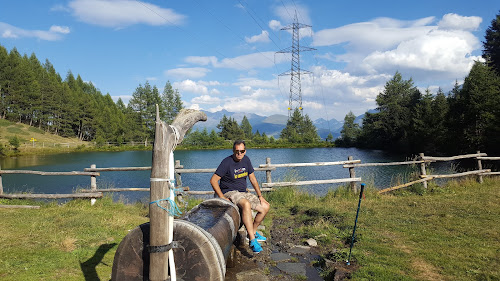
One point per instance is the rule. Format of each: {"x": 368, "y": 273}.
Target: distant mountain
{"x": 272, "y": 125}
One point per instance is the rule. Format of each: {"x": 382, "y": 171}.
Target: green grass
{"x": 74, "y": 241}
{"x": 444, "y": 233}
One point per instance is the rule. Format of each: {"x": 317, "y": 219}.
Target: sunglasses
{"x": 239, "y": 151}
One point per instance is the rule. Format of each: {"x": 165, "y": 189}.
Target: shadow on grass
{"x": 89, "y": 266}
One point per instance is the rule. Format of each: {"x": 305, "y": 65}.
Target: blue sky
{"x": 221, "y": 54}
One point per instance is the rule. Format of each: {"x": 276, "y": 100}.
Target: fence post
{"x": 352, "y": 174}
{"x": 479, "y": 167}
{"x": 93, "y": 185}
{"x": 1, "y": 185}
{"x": 268, "y": 172}
{"x": 423, "y": 173}
{"x": 178, "y": 179}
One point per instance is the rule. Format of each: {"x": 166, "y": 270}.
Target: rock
{"x": 292, "y": 268}
{"x": 251, "y": 275}
{"x": 311, "y": 242}
{"x": 280, "y": 257}
{"x": 297, "y": 249}
{"x": 261, "y": 227}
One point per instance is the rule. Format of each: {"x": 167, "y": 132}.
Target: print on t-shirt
{"x": 240, "y": 173}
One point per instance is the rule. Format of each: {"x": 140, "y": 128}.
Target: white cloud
{"x": 263, "y": 37}
{"x": 419, "y": 48}
{"x": 205, "y": 99}
{"x": 194, "y": 72}
{"x": 190, "y": 86}
{"x": 457, "y": 22}
{"x": 54, "y": 33}
{"x": 59, "y": 29}
{"x": 118, "y": 14}
{"x": 201, "y": 60}
{"x": 275, "y": 25}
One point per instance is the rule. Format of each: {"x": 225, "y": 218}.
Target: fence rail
{"x": 351, "y": 164}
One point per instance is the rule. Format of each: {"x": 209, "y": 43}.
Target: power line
{"x": 192, "y": 36}
{"x": 295, "y": 70}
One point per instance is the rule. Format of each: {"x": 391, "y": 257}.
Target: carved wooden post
{"x": 423, "y": 173}
{"x": 166, "y": 138}
{"x": 479, "y": 167}
{"x": 93, "y": 185}
{"x": 268, "y": 172}
{"x": 352, "y": 174}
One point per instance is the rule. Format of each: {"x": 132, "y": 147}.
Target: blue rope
{"x": 173, "y": 209}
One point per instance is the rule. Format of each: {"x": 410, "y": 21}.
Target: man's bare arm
{"x": 214, "y": 181}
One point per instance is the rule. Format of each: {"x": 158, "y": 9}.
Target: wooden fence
{"x": 351, "y": 164}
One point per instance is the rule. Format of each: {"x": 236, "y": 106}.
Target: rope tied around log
{"x": 173, "y": 209}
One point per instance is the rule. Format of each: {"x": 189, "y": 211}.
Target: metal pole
{"x": 356, "y": 221}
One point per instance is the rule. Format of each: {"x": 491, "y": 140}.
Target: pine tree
{"x": 171, "y": 103}
{"x": 491, "y": 45}
{"x": 246, "y": 127}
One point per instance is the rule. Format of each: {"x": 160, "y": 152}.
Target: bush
{"x": 15, "y": 142}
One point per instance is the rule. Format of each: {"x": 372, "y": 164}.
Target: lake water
{"x": 382, "y": 177}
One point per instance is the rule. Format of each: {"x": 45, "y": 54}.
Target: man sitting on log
{"x": 232, "y": 174}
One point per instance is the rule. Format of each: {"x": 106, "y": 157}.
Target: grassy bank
{"x": 448, "y": 233}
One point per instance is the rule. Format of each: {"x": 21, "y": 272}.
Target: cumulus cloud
{"x": 457, "y": 22}
{"x": 205, "y": 99}
{"x": 190, "y": 86}
{"x": 263, "y": 37}
{"x": 275, "y": 25}
{"x": 53, "y": 34}
{"x": 118, "y": 14}
{"x": 420, "y": 47}
{"x": 244, "y": 62}
{"x": 193, "y": 72}
{"x": 59, "y": 29}
{"x": 442, "y": 53}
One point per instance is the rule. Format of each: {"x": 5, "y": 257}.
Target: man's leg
{"x": 262, "y": 211}
{"x": 246, "y": 217}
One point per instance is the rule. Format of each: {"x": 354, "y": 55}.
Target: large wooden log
{"x": 205, "y": 236}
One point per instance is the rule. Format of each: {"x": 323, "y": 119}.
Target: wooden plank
{"x": 117, "y": 169}
{"x": 298, "y": 183}
{"x": 73, "y": 173}
{"x": 491, "y": 174}
{"x": 204, "y": 192}
{"x": 454, "y": 157}
{"x": 19, "y": 207}
{"x": 404, "y": 185}
{"x": 488, "y": 158}
{"x": 117, "y": 189}
{"x": 309, "y": 164}
{"x": 383, "y": 164}
{"x": 460, "y": 174}
{"x": 51, "y": 196}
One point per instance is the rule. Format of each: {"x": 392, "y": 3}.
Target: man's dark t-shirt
{"x": 233, "y": 175}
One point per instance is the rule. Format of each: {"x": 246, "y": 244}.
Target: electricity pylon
{"x": 295, "y": 99}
